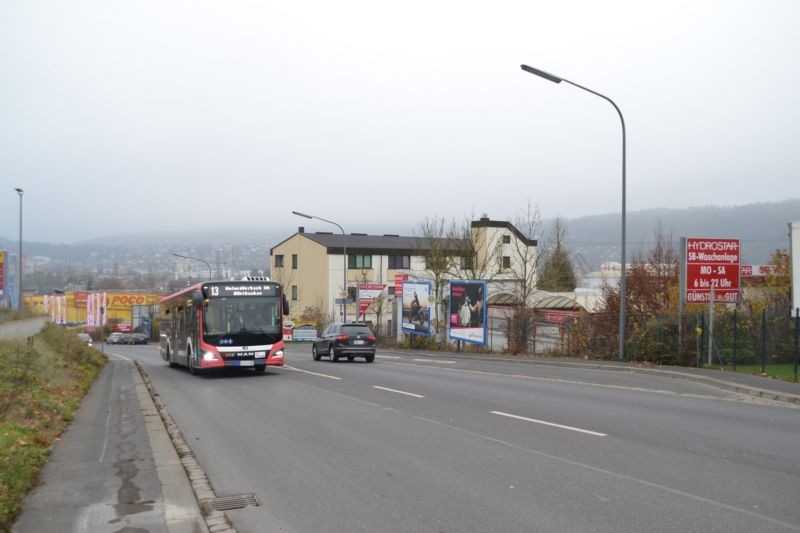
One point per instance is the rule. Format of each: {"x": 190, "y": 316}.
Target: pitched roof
{"x": 484, "y": 222}
{"x": 372, "y": 244}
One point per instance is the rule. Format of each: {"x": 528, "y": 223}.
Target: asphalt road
{"x": 416, "y": 443}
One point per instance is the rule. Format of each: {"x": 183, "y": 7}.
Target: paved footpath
{"x": 115, "y": 468}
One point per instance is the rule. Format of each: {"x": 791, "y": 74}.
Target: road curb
{"x": 191, "y": 473}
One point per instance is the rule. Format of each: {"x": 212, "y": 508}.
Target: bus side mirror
{"x": 285, "y": 305}
{"x": 197, "y": 300}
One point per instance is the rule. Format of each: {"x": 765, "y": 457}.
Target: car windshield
{"x": 355, "y": 330}
{"x": 242, "y": 315}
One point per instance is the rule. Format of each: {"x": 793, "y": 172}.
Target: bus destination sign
{"x": 228, "y": 290}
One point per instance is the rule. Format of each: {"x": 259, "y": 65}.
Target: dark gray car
{"x": 351, "y": 340}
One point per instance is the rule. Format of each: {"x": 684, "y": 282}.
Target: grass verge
{"x": 42, "y": 383}
{"x": 783, "y": 371}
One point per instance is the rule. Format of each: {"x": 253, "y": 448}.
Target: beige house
{"x": 309, "y": 266}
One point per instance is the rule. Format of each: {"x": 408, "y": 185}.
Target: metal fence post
{"x": 735, "y": 335}
{"x": 796, "y": 339}
{"x": 763, "y": 340}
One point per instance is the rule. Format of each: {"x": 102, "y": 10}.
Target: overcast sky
{"x": 133, "y": 116}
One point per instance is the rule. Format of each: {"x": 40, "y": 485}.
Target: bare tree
{"x": 474, "y": 255}
{"x": 432, "y": 243}
{"x": 521, "y": 278}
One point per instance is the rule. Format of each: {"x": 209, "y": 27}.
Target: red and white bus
{"x": 219, "y": 324}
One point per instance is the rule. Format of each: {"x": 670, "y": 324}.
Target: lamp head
{"x": 301, "y": 214}
{"x": 541, "y": 73}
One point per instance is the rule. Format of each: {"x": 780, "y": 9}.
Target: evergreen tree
{"x": 557, "y": 274}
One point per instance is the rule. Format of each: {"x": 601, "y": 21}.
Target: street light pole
{"x": 344, "y": 246}
{"x": 623, "y": 284}
{"x": 196, "y": 259}
{"x": 19, "y": 267}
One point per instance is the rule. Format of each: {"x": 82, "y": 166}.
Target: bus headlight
{"x": 278, "y": 355}
{"x": 209, "y": 356}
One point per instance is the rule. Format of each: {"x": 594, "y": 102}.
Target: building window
{"x": 351, "y": 294}
{"x": 506, "y": 261}
{"x": 397, "y": 262}
{"x": 466, "y": 262}
{"x": 294, "y": 292}
{"x": 294, "y": 261}
{"x": 359, "y": 261}
{"x": 279, "y": 261}
{"x": 390, "y": 288}
{"x": 506, "y": 239}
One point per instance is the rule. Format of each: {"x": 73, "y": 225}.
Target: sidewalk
{"x": 114, "y": 469}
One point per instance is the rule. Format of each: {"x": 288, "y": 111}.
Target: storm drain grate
{"x": 226, "y": 503}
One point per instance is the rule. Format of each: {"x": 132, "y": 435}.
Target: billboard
{"x": 367, "y": 294}
{"x": 468, "y": 311}
{"x": 416, "y": 307}
{"x": 711, "y": 264}
{"x": 2, "y": 273}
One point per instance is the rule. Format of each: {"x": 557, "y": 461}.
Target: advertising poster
{"x": 2, "y": 273}
{"x": 367, "y": 294}
{"x": 416, "y": 307}
{"x": 304, "y": 331}
{"x": 468, "y": 311}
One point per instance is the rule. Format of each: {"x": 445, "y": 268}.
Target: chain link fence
{"x": 750, "y": 339}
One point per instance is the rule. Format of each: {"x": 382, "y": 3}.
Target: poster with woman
{"x": 468, "y": 311}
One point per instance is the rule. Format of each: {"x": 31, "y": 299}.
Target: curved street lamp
{"x": 344, "y": 305}
{"x": 196, "y": 259}
{"x": 622, "y": 289}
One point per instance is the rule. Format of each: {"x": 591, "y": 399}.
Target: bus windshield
{"x": 226, "y": 316}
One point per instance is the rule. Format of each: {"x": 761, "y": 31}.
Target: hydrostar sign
{"x": 712, "y": 264}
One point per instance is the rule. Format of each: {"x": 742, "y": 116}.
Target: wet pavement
{"x": 114, "y": 469}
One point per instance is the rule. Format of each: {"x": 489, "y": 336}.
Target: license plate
{"x": 358, "y": 342}
{"x": 243, "y": 363}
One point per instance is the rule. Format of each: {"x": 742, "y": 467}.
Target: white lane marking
{"x": 398, "y": 391}
{"x": 309, "y": 372}
{"x": 611, "y": 473}
{"x": 434, "y": 361}
{"x": 574, "y": 382}
{"x": 388, "y": 357}
{"x": 535, "y": 421}
{"x": 120, "y": 356}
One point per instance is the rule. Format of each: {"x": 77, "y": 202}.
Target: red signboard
{"x": 398, "y": 284}
{"x": 757, "y": 271}
{"x": 712, "y": 264}
{"x": 558, "y": 317}
{"x": 2, "y": 271}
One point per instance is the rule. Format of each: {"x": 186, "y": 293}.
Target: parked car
{"x": 350, "y": 339}
{"x": 86, "y": 338}
{"x": 137, "y": 338}
{"x": 116, "y": 338}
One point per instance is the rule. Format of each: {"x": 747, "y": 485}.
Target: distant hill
{"x": 591, "y": 240}
{"x": 762, "y": 228}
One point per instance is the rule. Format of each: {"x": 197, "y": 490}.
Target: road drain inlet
{"x": 226, "y": 503}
